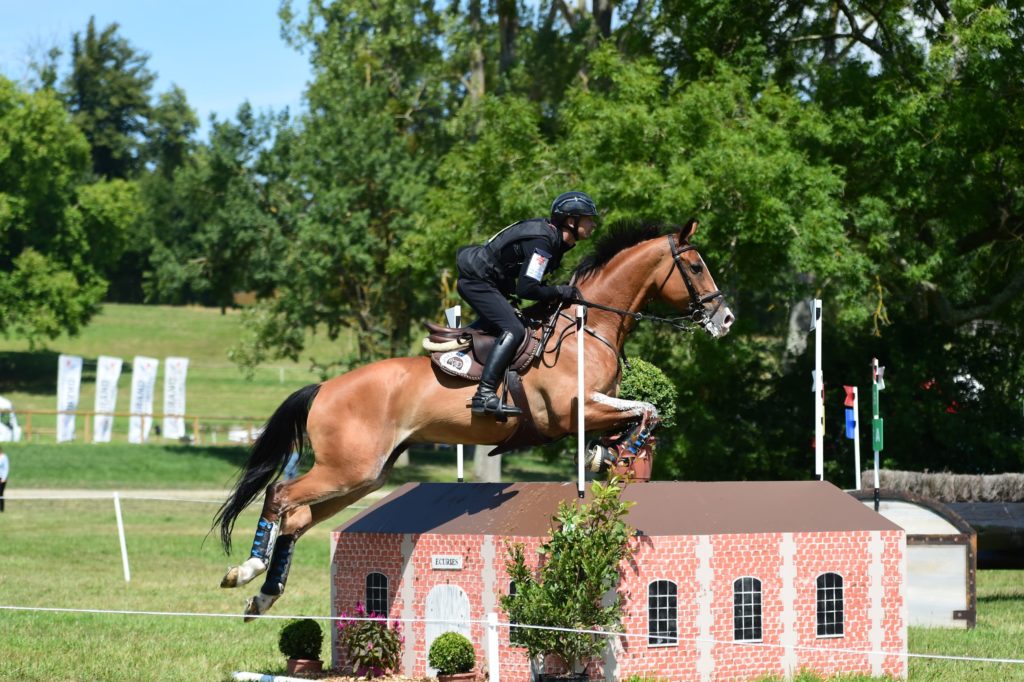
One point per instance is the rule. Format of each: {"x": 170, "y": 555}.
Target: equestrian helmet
{"x": 572, "y": 204}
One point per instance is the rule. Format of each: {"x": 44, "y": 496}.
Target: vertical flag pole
{"x": 581, "y": 314}
{"x": 454, "y": 319}
{"x": 819, "y": 393}
{"x": 856, "y": 440}
{"x": 877, "y": 384}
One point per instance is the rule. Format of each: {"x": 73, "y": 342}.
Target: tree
{"x": 107, "y": 93}
{"x": 579, "y": 567}
{"x": 57, "y": 234}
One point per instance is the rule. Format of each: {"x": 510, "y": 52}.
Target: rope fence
{"x": 508, "y": 626}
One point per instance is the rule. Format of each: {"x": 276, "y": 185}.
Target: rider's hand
{"x": 569, "y": 294}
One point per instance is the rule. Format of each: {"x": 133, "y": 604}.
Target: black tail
{"x": 284, "y": 433}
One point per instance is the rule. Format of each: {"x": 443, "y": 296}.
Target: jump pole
{"x": 454, "y": 317}
{"x": 581, "y": 314}
{"x": 877, "y": 384}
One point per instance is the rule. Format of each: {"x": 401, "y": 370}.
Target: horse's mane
{"x": 613, "y": 239}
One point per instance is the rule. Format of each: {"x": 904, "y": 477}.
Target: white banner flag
{"x": 108, "y": 372}
{"x": 175, "y": 370}
{"x": 143, "y": 386}
{"x": 69, "y": 382}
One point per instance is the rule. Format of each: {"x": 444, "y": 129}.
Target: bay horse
{"x": 358, "y": 423}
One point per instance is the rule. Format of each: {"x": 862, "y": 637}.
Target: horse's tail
{"x": 284, "y": 433}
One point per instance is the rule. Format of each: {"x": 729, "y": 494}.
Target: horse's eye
{"x": 696, "y": 268}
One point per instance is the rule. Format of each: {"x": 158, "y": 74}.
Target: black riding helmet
{"x": 571, "y": 204}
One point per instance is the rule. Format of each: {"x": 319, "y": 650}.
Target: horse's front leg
{"x": 605, "y": 413}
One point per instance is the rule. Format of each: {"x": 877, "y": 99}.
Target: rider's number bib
{"x": 538, "y": 263}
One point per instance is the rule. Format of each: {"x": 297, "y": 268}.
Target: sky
{"x": 220, "y": 52}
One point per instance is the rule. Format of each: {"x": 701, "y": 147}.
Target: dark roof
{"x": 662, "y": 508}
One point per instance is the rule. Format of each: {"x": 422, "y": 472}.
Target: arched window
{"x": 661, "y": 613}
{"x": 746, "y": 610}
{"x": 377, "y": 593}
{"x": 830, "y": 605}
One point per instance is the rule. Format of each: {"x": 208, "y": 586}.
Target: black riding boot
{"x": 486, "y": 401}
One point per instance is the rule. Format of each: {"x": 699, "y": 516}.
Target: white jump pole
{"x": 454, "y": 316}
{"x": 493, "y": 651}
{"x": 120, "y": 535}
{"x": 819, "y": 393}
{"x": 581, "y": 314}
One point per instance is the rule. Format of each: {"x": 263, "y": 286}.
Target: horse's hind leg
{"x": 301, "y": 504}
{"x": 262, "y": 545}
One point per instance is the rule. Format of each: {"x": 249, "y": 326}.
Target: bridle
{"x": 697, "y": 314}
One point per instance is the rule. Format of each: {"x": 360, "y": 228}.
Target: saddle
{"x": 462, "y": 351}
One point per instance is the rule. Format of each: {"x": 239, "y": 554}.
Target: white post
{"x": 453, "y": 316}
{"x": 819, "y": 393}
{"x": 581, "y": 313}
{"x": 493, "y": 652}
{"x": 856, "y": 440}
{"x": 120, "y": 535}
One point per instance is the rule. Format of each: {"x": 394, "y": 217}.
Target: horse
{"x": 358, "y": 423}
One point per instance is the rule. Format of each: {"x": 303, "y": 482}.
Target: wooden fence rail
{"x": 204, "y": 431}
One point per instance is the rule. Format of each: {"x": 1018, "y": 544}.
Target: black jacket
{"x": 516, "y": 259}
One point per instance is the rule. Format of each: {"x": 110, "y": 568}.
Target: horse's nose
{"x": 727, "y": 320}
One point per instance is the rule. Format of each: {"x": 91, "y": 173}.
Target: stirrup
{"x": 496, "y": 405}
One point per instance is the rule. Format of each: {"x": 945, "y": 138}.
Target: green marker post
{"x": 877, "y": 384}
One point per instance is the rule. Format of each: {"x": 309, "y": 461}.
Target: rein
{"x": 697, "y": 314}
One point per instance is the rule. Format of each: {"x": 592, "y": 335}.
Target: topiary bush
{"x": 301, "y": 639}
{"x": 645, "y": 381}
{"x": 451, "y": 654}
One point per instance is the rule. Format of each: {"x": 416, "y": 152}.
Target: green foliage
{"x": 301, "y": 639}
{"x": 107, "y": 93}
{"x": 49, "y": 279}
{"x": 370, "y": 645}
{"x": 451, "y": 653}
{"x": 643, "y": 381}
{"x": 579, "y": 566}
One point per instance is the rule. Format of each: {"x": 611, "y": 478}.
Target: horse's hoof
{"x": 230, "y": 578}
{"x": 258, "y": 605}
{"x": 251, "y": 610}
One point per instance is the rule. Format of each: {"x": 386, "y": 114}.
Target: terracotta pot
{"x": 302, "y": 665}
{"x": 458, "y": 677}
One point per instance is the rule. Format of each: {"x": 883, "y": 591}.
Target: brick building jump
{"x": 729, "y": 580}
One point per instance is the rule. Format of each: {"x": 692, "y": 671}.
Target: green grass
{"x": 120, "y": 466}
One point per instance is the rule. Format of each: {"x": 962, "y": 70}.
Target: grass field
{"x": 215, "y": 387}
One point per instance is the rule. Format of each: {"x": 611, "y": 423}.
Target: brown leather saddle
{"x": 462, "y": 351}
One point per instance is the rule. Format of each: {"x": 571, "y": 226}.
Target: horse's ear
{"x": 688, "y": 229}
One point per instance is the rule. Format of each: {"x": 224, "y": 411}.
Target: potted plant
{"x": 453, "y": 657}
{"x": 579, "y": 566}
{"x": 369, "y": 644}
{"x": 300, "y": 641}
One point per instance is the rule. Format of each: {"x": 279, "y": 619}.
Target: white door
{"x": 446, "y": 603}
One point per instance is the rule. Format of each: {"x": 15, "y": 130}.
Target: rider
{"x": 514, "y": 261}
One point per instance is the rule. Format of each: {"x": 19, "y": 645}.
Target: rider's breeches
{"x": 492, "y": 307}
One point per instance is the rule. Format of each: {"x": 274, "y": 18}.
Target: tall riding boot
{"x": 486, "y": 400}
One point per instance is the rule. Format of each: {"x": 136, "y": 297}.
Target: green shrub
{"x": 644, "y": 381}
{"x": 451, "y": 654}
{"x": 301, "y": 639}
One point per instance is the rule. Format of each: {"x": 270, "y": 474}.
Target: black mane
{"x": 613, "y": 239}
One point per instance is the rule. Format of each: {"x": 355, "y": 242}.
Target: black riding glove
{"x": 569, "y": 294}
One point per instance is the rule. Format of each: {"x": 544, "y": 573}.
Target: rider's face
{"x": 586, "y": 226}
